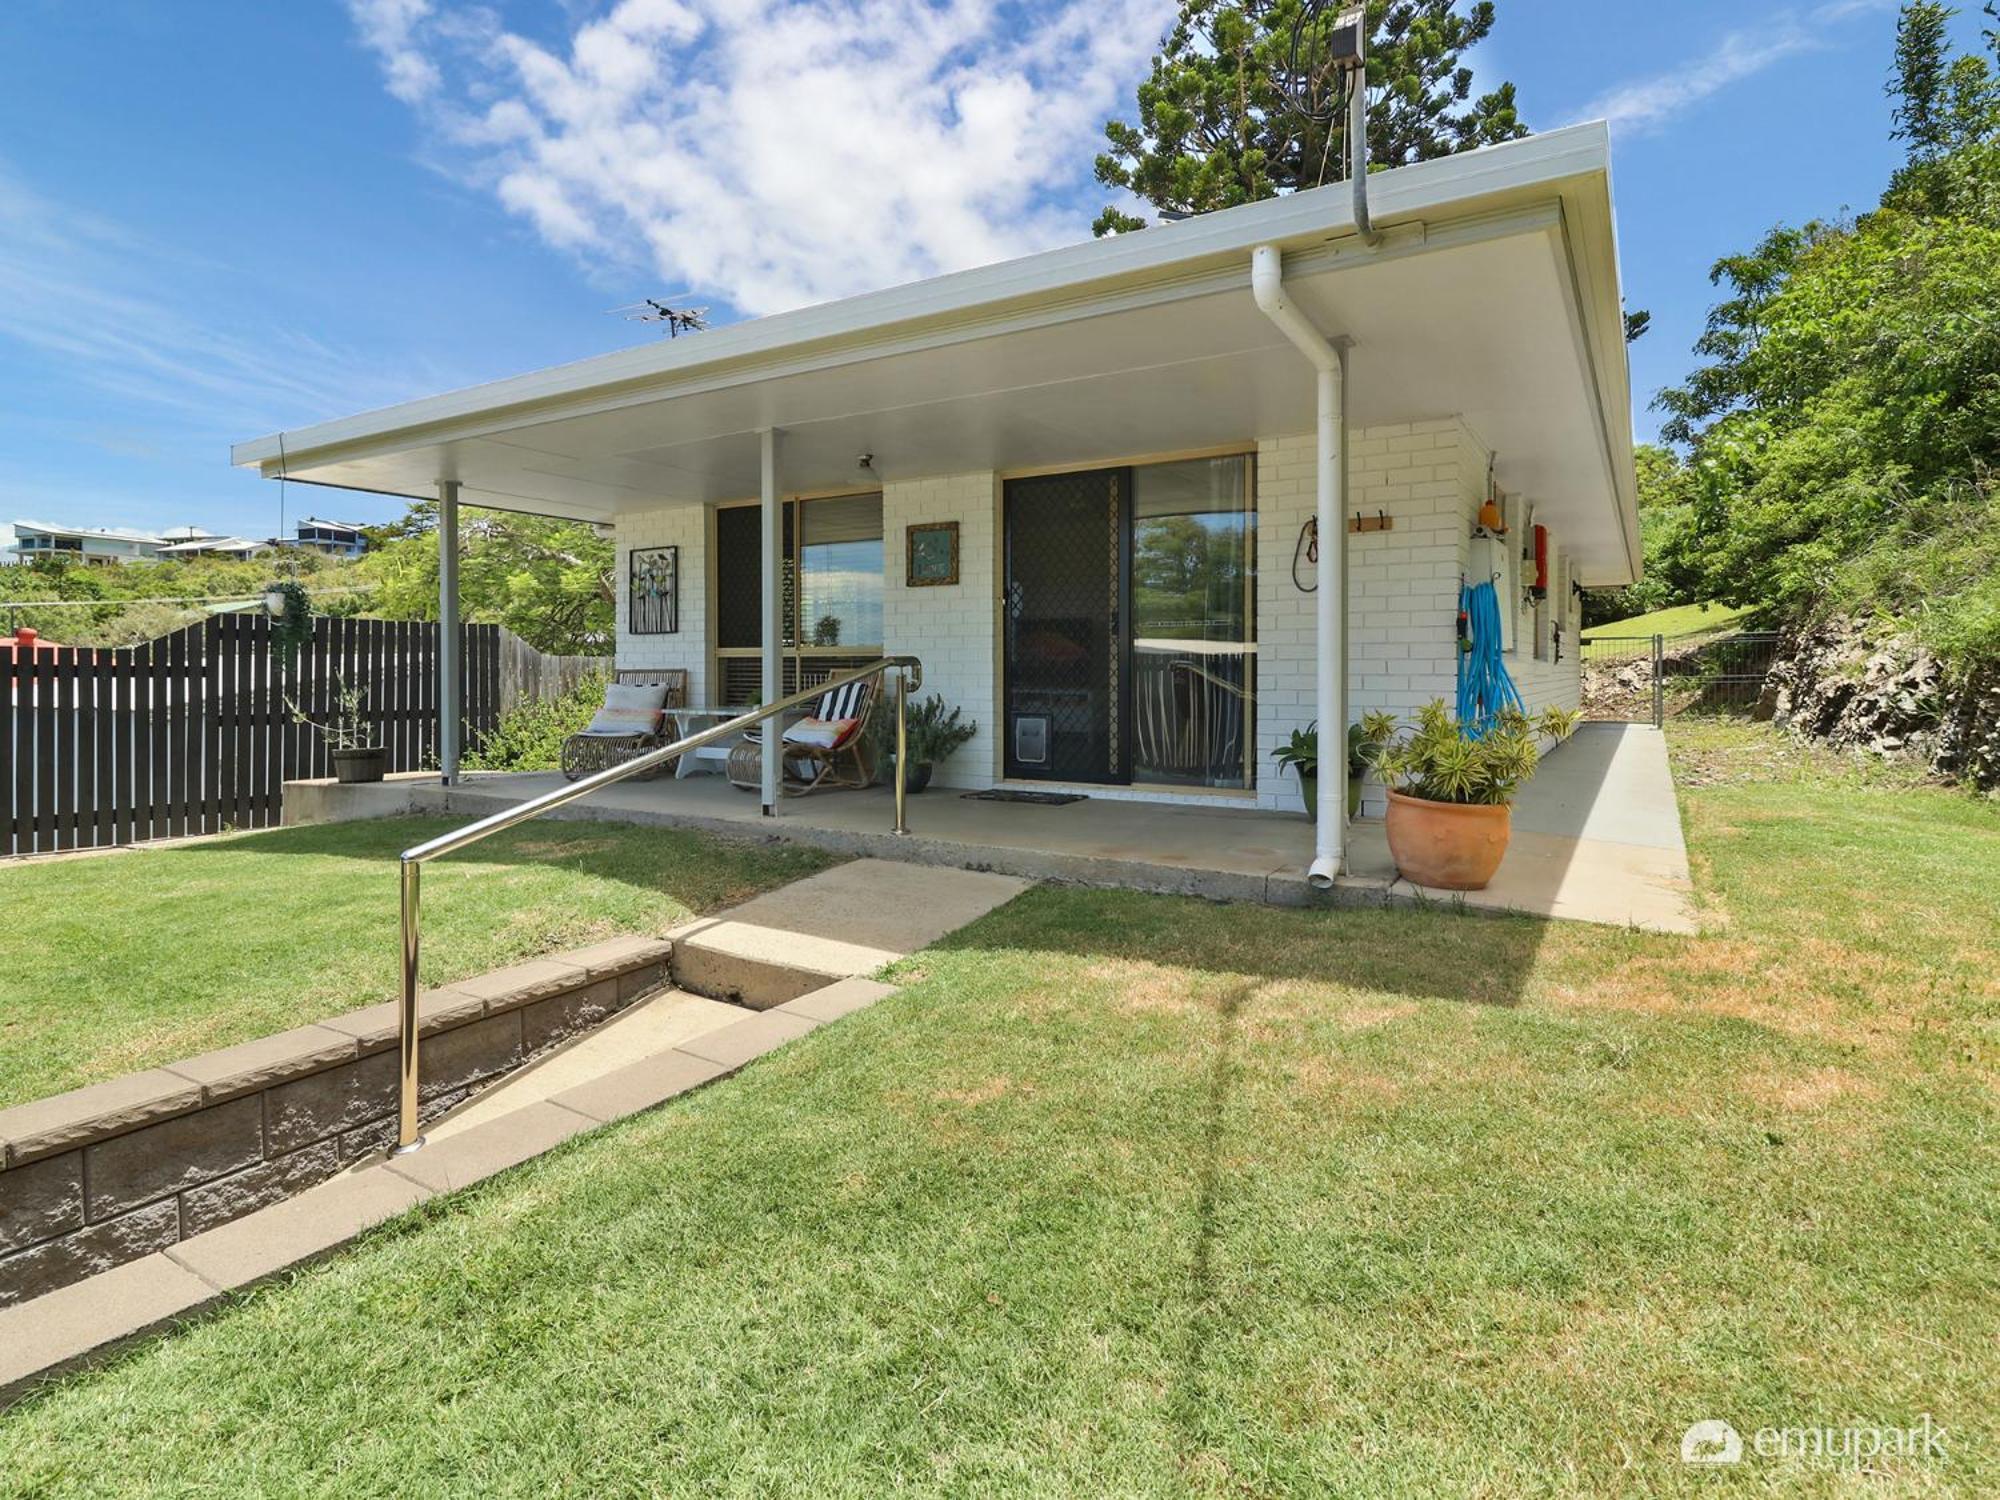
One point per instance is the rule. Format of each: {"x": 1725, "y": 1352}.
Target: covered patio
{"x": 1135, "y": 465}
{"x": 1597, "y": 834}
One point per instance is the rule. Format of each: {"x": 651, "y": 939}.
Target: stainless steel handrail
{"x": 909, "y": 672}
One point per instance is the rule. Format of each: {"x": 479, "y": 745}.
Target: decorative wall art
{"x": 933, "y": 554}
{"x": 654, "y": 607}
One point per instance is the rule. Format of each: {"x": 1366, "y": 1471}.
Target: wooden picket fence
{"x": 192, "y": 733}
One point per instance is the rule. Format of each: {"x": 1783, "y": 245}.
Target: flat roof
{"x": 1495, "y": 295}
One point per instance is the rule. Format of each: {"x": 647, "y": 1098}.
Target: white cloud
{"x": 389, "y": 28}
{"x": 64, "y": 279}
{"x": 1650, "y": 103}
{"x": 775, "y": 153}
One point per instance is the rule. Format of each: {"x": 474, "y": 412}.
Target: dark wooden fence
{"x": 191, "y": 733}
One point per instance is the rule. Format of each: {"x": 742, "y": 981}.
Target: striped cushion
{"x": 629, "y": 708}
{"x": 843, "y": 702}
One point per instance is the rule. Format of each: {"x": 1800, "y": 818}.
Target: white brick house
{"x": 1133, "y": 452}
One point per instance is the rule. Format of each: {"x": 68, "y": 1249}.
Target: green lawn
{"x": 1130, "y": 1195}
{"x": 118, "y": 962}
{"x": 1681, "y": 620}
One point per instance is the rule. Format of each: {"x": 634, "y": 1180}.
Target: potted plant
{"x": 1451, "y": 791}
{"x": 1364, "y": 742}
{"x": 934, "y": 732}
{"x": 1300, "y": 753}
{"x": 1364, "y": 747}
{"x": 350, "y": 738}
{"x": 291, "y": 612}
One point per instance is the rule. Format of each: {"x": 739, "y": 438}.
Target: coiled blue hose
{"x": 1484, "y": 688}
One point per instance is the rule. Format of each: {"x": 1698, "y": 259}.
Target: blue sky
{"x": 219, "y": 218}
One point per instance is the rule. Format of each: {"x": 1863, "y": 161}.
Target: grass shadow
{"x": 1441, "y": 951}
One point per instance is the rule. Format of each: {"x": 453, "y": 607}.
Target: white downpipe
{"x": 1267, "y": 285}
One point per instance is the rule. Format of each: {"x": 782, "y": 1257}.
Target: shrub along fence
{"x": 191, "y": 733}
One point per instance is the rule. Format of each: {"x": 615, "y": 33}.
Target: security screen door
{"x": 1064, "y": 609}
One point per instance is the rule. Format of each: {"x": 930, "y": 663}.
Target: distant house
{"x": 191, "y": 541}
{"x": 334, "y": 538}
{"x": 89, "y": 544}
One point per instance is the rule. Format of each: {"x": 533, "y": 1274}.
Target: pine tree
{"x": 1243, "y": 102}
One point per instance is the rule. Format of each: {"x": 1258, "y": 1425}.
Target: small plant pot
{"x": 919, "y": 777}
{"x": 1309, "y": 789}
{"x": 369, "y": 763}
{"x": 1354, "y": 794}
{"x": 1450, "y": 846}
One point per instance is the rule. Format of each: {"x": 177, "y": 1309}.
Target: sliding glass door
{"x": 1194, "y": 653}
{"x": 1129, "y": 625}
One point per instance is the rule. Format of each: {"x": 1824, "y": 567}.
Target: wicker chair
{"x": 585, "y": 754}
{"x": 849, "y": 762}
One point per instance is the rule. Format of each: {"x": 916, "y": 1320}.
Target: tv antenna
{"x": 677, "y": 320}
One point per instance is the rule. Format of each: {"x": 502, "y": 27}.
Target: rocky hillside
{"x": 1838, "y": 682}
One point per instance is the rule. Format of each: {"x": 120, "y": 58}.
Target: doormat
{"x": 1039, "y": 799}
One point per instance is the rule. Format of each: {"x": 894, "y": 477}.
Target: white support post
{"x": 451, "y": 675}
{"x": 773, "y": 622}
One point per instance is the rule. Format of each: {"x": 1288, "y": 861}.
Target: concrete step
{"x": 839, "y": 924}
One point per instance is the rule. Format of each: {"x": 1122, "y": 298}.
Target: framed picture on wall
{"x": 654, "y": 605}
{"x": 933, "y": 554}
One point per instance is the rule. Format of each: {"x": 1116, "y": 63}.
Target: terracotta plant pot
{"x": 1448, "y": 845}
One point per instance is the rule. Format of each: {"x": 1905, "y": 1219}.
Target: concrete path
{"x": 1597, "y": 838}
{"x": 798, "y": 954}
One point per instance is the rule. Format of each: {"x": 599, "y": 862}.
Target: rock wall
{"x": 1855, "y": 689}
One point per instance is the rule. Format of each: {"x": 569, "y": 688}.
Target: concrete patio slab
{"x": 1606, "y": 793}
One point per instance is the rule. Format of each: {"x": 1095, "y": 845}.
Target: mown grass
{"x": 1130, "y": 1195}
{"x": 117, "y": 962}
{"x": 1680, "y": 620}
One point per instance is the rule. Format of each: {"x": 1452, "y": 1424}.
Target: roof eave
{"x": 1450, "y": 187}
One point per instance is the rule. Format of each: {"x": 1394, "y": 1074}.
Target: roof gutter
{"x": 1267, "y": 285}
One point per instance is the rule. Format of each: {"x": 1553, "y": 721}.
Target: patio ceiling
{"x": 1494, "y": 296}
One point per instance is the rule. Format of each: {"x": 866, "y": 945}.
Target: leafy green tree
{"x": 1666, "y": 529}
{"x": 548, "y": 581}
{"x": 1243, "y": 102}
{"x": 1843, "y": 436}
{"x": 1947, "y": 114}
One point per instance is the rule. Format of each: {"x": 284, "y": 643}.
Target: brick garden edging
{"x": 109, "y": 1173}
